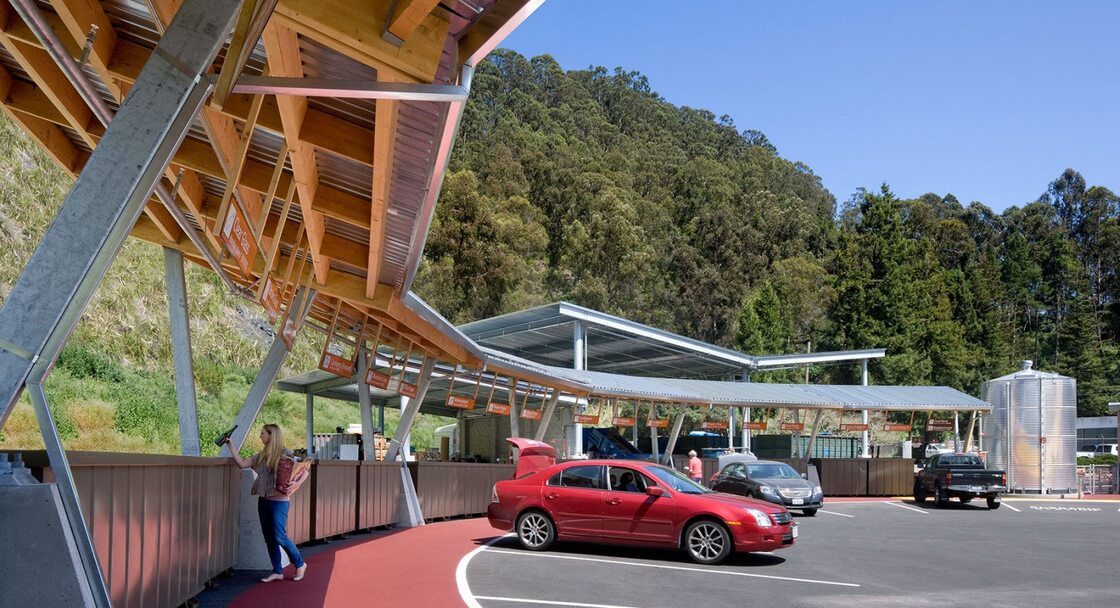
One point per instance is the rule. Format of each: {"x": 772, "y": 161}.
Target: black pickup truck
{"x": 959, "y": 475}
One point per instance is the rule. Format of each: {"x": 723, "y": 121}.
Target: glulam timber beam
{"x": 354, "y": 27}
{"x": 407, "y": 16}
{"x": 282, "y": 49}
{"x": 384, "y": 139}
{"x": 347, "y": 140}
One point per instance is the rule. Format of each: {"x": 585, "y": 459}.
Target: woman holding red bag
{"x": 272, "y": 505}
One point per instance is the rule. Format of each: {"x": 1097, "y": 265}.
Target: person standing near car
{"x": 695, "y": 468}
{"x": 272, "y": 505}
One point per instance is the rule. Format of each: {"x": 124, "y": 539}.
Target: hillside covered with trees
{"x": 587, "y": 186}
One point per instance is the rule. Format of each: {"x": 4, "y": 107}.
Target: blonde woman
{"x": 272, "y": 505}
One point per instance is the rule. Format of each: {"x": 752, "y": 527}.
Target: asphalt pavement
{"x": 1030, "y": 552}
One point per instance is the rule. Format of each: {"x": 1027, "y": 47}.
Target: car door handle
{"x": 614, "y": 501}
{"x": 551, "y": 496}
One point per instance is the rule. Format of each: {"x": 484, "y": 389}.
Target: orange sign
{"x": 238, "y": 238}
{"x": 855, "y": 426}
{"x": 621, "y": 421}
{"x": 585, "y": 419}
{"x": 497, "y": 408}
{"x": 793, "y": 426}
{"x": 407, "y": 389}
{"x": 458, "y": 401}
{"x": 714, "y": 425}
{"x": 377, "y": 379}
{"x": 270, "y": 299}
{"x": 658, "y": 423}
{"x": 529, "y": 414}
{"x": 754, "y": 426}
{"x": 902, "y": 428}
{"x": 939, "y": 424}
{"x": 288, "y": 333}
{"x": 336, "y": 365}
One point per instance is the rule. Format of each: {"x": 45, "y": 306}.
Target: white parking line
{"x": 1012, "y": 508}
{"x": 521, "y": 600}
{"x": 461, "y": 573}
{"x": 902, "y": 506}
{"x": 835, "y": 513}
{"x": 666, "y": 567}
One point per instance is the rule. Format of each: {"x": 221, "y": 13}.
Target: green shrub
{"x": 211, "y": 376}
{"x": 82, "y": 362}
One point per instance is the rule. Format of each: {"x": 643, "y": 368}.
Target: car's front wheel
{"x": 707, "y": 542}
{"x": 536, "y": 531}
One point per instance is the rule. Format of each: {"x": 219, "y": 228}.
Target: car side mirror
{"x": 804, "y": 476}
{"x": 655, "y": 491}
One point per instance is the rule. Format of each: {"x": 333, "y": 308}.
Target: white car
{"x": 933, "y": 449}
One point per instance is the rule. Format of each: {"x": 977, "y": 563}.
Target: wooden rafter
{"x": 384, "y": 139}
{"x": 407, "y": 16}
{"x": 343, "y": 26}
{"x": 283, "y": 52}
{"x": 79, "y": 16}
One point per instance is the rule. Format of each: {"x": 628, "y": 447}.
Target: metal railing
{"x": 1097, "y": 479}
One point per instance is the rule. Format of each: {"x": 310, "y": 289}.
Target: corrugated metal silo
{"x": 1032, "y": 431}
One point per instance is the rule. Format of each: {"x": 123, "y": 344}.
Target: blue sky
{"x": 989, "y": 101}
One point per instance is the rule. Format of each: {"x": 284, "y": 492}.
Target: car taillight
{"x": 948, "y": 478}
{"x": 1003, "y": 479}
{"x": 494, "y": 494}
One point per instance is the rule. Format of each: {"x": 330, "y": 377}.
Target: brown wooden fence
{"x": 379, "y": 488}
{"x": 449, "y": 489}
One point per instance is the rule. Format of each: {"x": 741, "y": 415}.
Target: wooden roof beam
{"x": 407, "y": 16}
{"x": 354, "y": 27}
{"x": 79, "y": 16}
{"x": 384, "y": 138}
{"x": 283, "y": 53}
{"x": 324, "y": 131}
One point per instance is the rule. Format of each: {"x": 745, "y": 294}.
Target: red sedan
{"x": 632, "y": 503}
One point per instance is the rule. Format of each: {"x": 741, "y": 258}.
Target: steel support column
{"x": 746, "y": 417}
{"x": 866, "y": 443}
{"x": 813, "y": 435}
{"x": 366, "y": 407}
{"x": 412, "y": 410}
{"x": 546, "y": 415}
{"x": 262, "y": 384}
{"x": 673, "y": 434}
{"x": 579, "y": 361}
{"x": 310, "y": 419}
{"x": 98, "y": 213}
{"x": 181, "y": 351}
{"x": 514, "y": 421}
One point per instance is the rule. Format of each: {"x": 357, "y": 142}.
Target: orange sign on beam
{"x": 754, "y": 426}
{"x": 336, "y": 365}
{"x": 793, "y": 426}
{"x": 407, "y": 389}
{"x": 531, "y": 414}
{"x": 899, "y": 428}
{"x": 622, "y": 421}
{"x": 460, "y": 402}
{"x": 714, "y": 425}
{"x": 658, "y": 423}
{"x": 377, "y": 379}
{"x": 854, "y": 426}
{"x": 585, "y": 419}
{"x": 497, "y": 408}
{"x": 238, "y": 238}
{"x": 270, "y": 299}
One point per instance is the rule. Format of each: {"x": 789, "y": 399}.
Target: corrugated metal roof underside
{"x": 671, "y": 390}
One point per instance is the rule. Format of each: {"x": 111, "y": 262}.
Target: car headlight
{"x": 760, "y": 518}
{"x": 817, "y": 490}
{"x": 767, "y": 490}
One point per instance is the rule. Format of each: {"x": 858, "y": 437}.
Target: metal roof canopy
{"x": 613, "y": 344}
{"x": 601, "y": 384}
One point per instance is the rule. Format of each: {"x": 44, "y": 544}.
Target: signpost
{"x": 622, "y": 421}
{"x": 497, "y": 408}
{"x": 377, "y": 379}
{"x": 714, "y": 425}
{"x": 793, "y": 426}
{"x": 585, "y": 419}
{"x": 407, "y": 389}
{"x": 529, "y": 414}
{"x": 896, "y": 427}
{"x": 754, "y": 426}
{"x": 460, "y": 402}
{"x": 939, "y": 424}
{"x": 853, "y": 426}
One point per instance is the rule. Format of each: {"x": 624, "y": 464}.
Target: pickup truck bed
{"x": 960, "y": 476}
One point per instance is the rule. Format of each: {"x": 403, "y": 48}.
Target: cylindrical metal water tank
{"x": 1032, "y": 431}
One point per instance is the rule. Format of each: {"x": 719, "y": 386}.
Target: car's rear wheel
{"x": 707, "y": 542}
{"x": 919, "y": 493}
{"x": 942, "y": 496}
{"x": 536, "y": 531}
{"x": 993, "y": 502}
{"x": 809, "y": 512}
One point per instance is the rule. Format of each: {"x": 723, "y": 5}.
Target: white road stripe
{"x": 1012, "y": 508}
{"x": 835, "y": 513}
{"x": 521, "y": 600}
{"x": 902, "y": 506}
{"x": 461, "y": 573}
{"x": 666, "y": 567}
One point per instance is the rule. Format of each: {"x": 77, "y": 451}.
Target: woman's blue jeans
{"x": 274, "y": 526}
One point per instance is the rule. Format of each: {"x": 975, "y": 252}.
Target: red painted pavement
{"x": 413, "y": 567}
